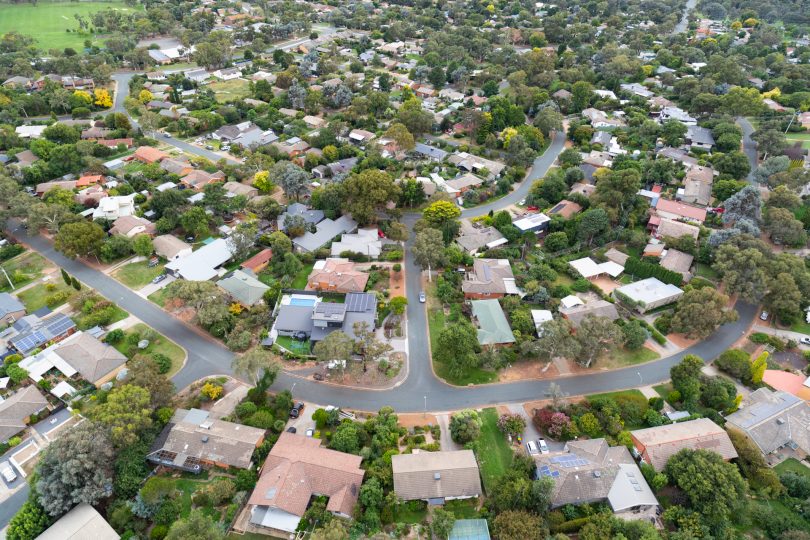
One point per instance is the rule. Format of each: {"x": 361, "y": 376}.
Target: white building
{"x": 648, "y": 294}
{"x": 112, "y": 208}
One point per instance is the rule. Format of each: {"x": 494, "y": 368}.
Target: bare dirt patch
{"x": 681, "y": 340}
{"x": 411, "y": 420}
{"x": 606, "y": 284}
{"x": 528, "y": 370}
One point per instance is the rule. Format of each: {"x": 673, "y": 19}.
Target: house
{"x": 617, "y": 256}
{"x": 361, "y": 136}
{"x": 589, "y": 269}
{"x": 656, "y": 445}
{"x": 600, "y": 119}
{"x": 89, "y": 180}
{"x": 308, "y": 315}
{"x": 29, "y": 132}
{"x": 476, "y": 164}
{"x": 170, "y": 247}
{"x": 774, "y": 420}
{"x": 32, "y": 332}
{"x": 112, "y": 208}
{"x": 647, "y": 294}
{"x": 311, "y": 216}
{"x": 336, "y": 275}
{"x": 26, "y": 158}
{"x": 180, "y": 167}
{"x": 540, "y": 317}
{"x": 17, "y": 409}
{"x": 227, "y": 74}
{"x": 45, "y": 187}
{"x": 201, "y": 265}
{"x": 536, "y": 223}
{"x": 127, "y": 142}
{"x": 678, "y": 261}
{"x": 296, "y": 470}
{"x": 147, "y": 154}
{"x": 81, "y": 523}
{"x": 430, "y": 152}
{"x": 237, "y": 188}
{"x": 193, "y": 440}
{"x": 95, "y": 361}
{"x": 198, "y": 179}
{"x": 436, "y": 477}
{"x": 11, "y": 309}
{"x": 577, "y": 312}
{"x": 591, "y": 471}
{"x": 675, "y": 113}
{"x": 258, "y": 262}
{"x": 637, "y": 90}
{"x": 669, "y": 227}
{"x": 131, "y": 226}
{"x": 493, "y": 328}
{"x": 314, "y": 122}
{"x": 325, "y": 231}
{"x": 365, "y": 241}
{"x": 675, "y": 210}
{"x": 678, "y": 155}
{"x": 95, "y": 132}
{"x": 489, "y": 278}
{"x": 243, "y": 287}
{"x": 474, "y": 238}
{"x": 464, "y": 182}
{"x": 699, "y": 137}
{"x": 697, "y": 186}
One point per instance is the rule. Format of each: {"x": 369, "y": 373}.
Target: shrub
{"x": 581, "y": 285}
{"x": 656, "y": 403}
{"x": 114, "y": 336}
{"x": 246, "y": 479}
{"x": 163, "y": 362}
{"x": 261, "y": 419}
{"x": 641, "y": 270}
{"x": 245, "y": 409}
{"x": 159, "y": 532}
{"x": 674, "y": 397}
{"x": 211, "y": 391}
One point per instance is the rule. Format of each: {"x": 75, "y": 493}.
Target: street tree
{"x": 80, "y": 239}
{"x": 743, "y": 271}
{"x": 699, "y": 312}
{"x": 428, "y": 249}
{"x": 785, "y": 229}
{"x": 596, "y": 335}
{"x": 367, "y": 193}
{"x": 784, "y": 298}
{"x": 557, "y": 340}
{"x": 457, "y": 347}
{"x": 439, "y": 213}
{"x": 50, "y": 217}
{"x": 256, "y": 364}
{"x": 686, "y": 378}
{"x": 465, "y": 426}
{"x": 335, "y": 346}
{"x": 126, "y": 413}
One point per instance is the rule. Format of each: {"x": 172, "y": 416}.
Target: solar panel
{"x": 555, "y": 474}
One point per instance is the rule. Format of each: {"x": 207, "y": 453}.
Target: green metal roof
{"x": 493, "y": 328}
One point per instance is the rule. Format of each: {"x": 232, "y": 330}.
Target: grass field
{"x": 796, "y": 137}
{"x": 137, "y": 275}
{"x": 792, "y": 464}
{"x": 47, "y": 21}
{"x": 23, "y": 269}
{"x": 161, "y": 345}
{"x": 35, "y": 297}
{"x": 624, "y": 357}
{"x": 234, "y": 89}
{"x": 493, "y": 451}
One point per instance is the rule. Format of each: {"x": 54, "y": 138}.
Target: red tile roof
{"x": 681, "y": 209}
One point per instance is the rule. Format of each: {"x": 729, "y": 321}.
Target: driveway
{"x": 154, "y": 287}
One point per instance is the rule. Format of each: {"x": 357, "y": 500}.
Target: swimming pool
{"x": 298, "y": 301}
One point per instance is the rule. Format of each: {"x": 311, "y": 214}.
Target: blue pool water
{"x": 302, "y": 301}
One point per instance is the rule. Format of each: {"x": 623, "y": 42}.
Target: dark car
{"x": 291, "y": 429}
{"x": 295, "y": 412}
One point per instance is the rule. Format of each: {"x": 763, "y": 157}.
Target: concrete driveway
{"x": 154, "y": 287}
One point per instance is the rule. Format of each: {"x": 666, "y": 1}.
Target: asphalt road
{"x": 11, "y": 505}
{"x": 749, "y": 145}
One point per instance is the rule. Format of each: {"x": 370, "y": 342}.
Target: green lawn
{"x": 663, "y": 389}
{"x": 47, "y": 22}
{"x": 35, "y": 297}
{"x": 410, "y": 512}
{"x": 801, "y": 326}
{"x": 22, "y": 269}
{"x": 161, "y": 345}
{"x": 618, "y": 394}
{"x": 493, "y": 451}
{"x": 706, "y": 271}
{"x": 624, "y": 357}
{"x": 137, "y": 275}
{"x": 294, "y": 346}
{"x": 463, "y": 508}
{"x": 796, "y": 137}
{"x": 158, "y": 297}
{"x": 300, "y": 280}
{"x": 792, "y": 464}
{"x": 232, "y": 90}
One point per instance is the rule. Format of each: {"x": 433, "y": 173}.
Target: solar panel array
{"x": 569, "y": 461}
{"x": 60, "y": 325}
{"x": 546, "y": 471}
{"x": 29, "y": 342}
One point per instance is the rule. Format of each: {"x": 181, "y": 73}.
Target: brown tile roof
{"x": 489, "y": 276}
{"x": 125, "y": 224}
{"x": 432, "y": 475}
{"x": 662, "y": 442}
{"x": 338, "y": 275}
{"x": 15, "y": 409}
{"x": 259, "y": 260}
{"x": 147, "y": 154}
{"x": 199, "y": 179}
{"x": 298, "y": 468}
{"x": 90, "y": 357}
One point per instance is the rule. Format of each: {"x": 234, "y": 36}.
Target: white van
{"x": 531, "y": 447}
{"x": 8, "y": 472}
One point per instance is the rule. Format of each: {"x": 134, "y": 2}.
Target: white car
{"x": 531, "y": 447}
{"x": 422, "y": 297}
{"x": 8, "y": 473}
{"x": 543, "y": 446}
{"x": 805, "y": 340}
{"x": 310, "y": 432}
{"x": 764, "y": 316}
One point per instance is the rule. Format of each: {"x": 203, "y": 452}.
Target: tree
{"x": 428, "y": 249}
{"x": 102, "y": 98}
{"x": 142, "y": 245}
{"x": 785, "y": 228}
{"x": 441, "y": 523}
{"x": 700, "y": 312}
{"x": 334, "y": 529}
{"x": 145, "y": 373}
{"x": 713, "y": 487}
{"x": 511, "y": 424}
{"x": 457, "y": 347}
{"x": 743, "y": 271}
{"x": 555, "y": 341}
{"x": 634, "y": 335}
{"x": 745, "y": 204}
{"x": 370, "y": 348}
{"x": 262, "y": 182}
{"x": 465, "y": 426}
{"x": 194, "y": 221}
{"x": 686, "y": 378}
{"x": 243, "y": 239}
{"x": 414, "y": 117}
{"x": 401, "y": 136}
{"x": 596, "y": 335}
{"x": 79, "y": 239}
{"x": 29, "y": 521}
{"x": 197, "y": 525}
{"x": 115, "y": 247}
{"x": 758, "y": 366}
{"x": 292, "y": 178}
{"x": 770, "y": 141}
{"x": 581, "y": 95}
{"x": 398, "y": 305}
{"x": 785, "y": 298}
{"x": 439, "y": 213}
{"x": 335, "y": 346}
{"x": 127, "y": 413}
{"x": 367, "y": 193}
{"x": 256, "y": 364}
{"x": 673, "y": 131}
{"x": 592, "y": 222}
{"x": 518, "y": 525}
{"x": 75, "y": 468}
{"x": 61, "y": 134}
{"x": 616, "y": 192}
{"x": 548, "y": 120}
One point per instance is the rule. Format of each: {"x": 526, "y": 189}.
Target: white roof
{"x": 63, "y": 389}
{"x": 540, "y": 316}
{"x": 531, "y": 222}
{"x": 589, "y": 268}
{"x": 201, "y": 264}
{"x": 166, "y": 186}
{"x": 571, "y": 301}
{"x": 649, "y": 290}
{"x": 365, "y": 241}
{"x": 41, "y": 363}
{"x": 81, "y": 523}
{"x": 629, "y": 489}
{"x": 30, "y": 132}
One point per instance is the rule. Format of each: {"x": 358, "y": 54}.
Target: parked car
{"x": 541, "y": 443}
{"x": 531, "y": 447}
{"x": 310, "y": 432}
{"x": 764, "y": 316}
{"x": 805, "y": 340}
{"x": 295, "y": 412}
{"x": 153, "y": 262}
{"x": 422, "y": 297}
{"x": 8, "y": 472}
{"x": 291, "y": 429}
{"x": 159, "y": 278}
{"x": 209, "y": 147}
{"x": 167, "y": 135}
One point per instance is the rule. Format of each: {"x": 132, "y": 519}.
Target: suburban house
{"x": 596, "y": 308}
{"x": 325, "y": 231}
{"x": 699, "y": 137}
{"x": 774, "y": 420}
{"x": 436, "y": 477}
{"x": 591, "y": 471}
{"x": 365, "y": 241}
{"x": 83, "y": 522}
{"x": 476, "y": 164}
{"x": 180, "y": 167}
{"x": 336, "y": 275}
{"x": 565, "y": 209}
{"x": 131, "y": 226}
{"x": 360, "y": 136}
{"x": 663, "y": 227}
{"x": 680, "y": 211}
{"x": 203, "y": 264}
{"x": 678, "y": 261}
{"x": 647, "y": 294}
{"x": 243, "y": 287}
{"x": 430, "y": 152}
{"x": 17, "y": 409}
{"x": 474, "y": 238}
{"x": 697, "y": 186}
{"x": 309, "y": 316}
{"x": 310, "y": 216}
{"x": 490, "y": 278}
{"x": 657, "y": 444}
{"x": 536, "y": 223}
{"x": 32, "y": 332}
{"x": 170, "y": 247}
{"x": 258, "y": 262}
{"x": 193, "y": 440}
{"x": 95, "y": 361}
{"x": 198, "y": 179}
{"x": 296, "y": 470}
{"x": 148, "y": 154}
{"x": 238, "y": 188}
{"x": 589, "y": 269}
{"x": 11, "y": 309}
{"x": 464, "y": 182}
{"x": 493, "y": 327}
{"x": 112, "y": 208}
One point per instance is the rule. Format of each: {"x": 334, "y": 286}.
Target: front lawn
{"x": 793, "y": 465}
{"x": 624, "y": 357}
{"x": 618, "y": 395}
{"x": 160, "y": 345}
{"x": 158, "y": 297}
{"x": 801, "y": 326}
{"x": 301, "y": 348}
{"x": 492, "y": 450}
{"x": 22, "y": 270}
{"x": 663, "y": 390}
{"x": 137, "y": 275}
{"x": 52, "y": 295}
{"x": 232, "y": 90}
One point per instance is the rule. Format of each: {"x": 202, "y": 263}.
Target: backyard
{"x": 138, "y": 274}
{"x": 232, "y": 90}
{"x": 492, "y": 449}
{"x": 52, "y": 295}
{"x": 804, "y": 138}
{"x": 22, "y": 270}
{"x": 48, "y": 22}
{"x": 160, "y": 345}
{"x": 793, "y": 465}
{"x": 300, "y": 279}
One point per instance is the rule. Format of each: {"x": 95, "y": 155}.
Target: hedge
{"x": 570, "y": 526}
{"x": 656, "y": 335}
{"x": 641, "y": 269}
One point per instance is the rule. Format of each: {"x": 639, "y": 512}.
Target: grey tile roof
{"x": 294, "y": 318}
{"x": 9, "y": 304}
{"x": 435, "y": 475}
{"x": 773, "y": 420}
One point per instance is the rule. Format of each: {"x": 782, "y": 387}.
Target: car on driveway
{"x": 422, "y": 297}
{"x": 531, "y": 447}
{"x": 291, "y": 429}
{"x": 159, "y": 278}
{"x": 764, "y": 316}
{"x": 295, "y": 412}
{"x": 8, "y": 472}
{"x": 805, "y": 340}
{"x": 541, "y": 443}
{"x": 310, "y": 432}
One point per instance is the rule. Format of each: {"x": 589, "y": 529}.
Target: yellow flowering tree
{"x": 83, "y": 96}
{"x": 103, "y": 98}
{"x": 145, "y": 96}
